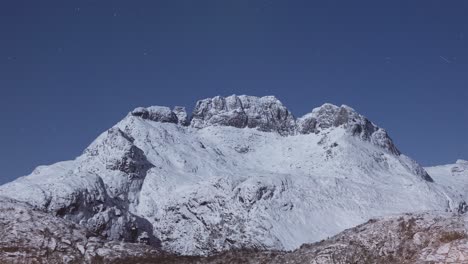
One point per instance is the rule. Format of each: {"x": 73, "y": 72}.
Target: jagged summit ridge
{"x": 268, "y": 114}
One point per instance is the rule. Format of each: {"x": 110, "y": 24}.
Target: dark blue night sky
{"x": 71, "y": 69}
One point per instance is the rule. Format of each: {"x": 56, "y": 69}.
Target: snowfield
{"x": 454, "y": 178}
{"x": 242, "y": 172}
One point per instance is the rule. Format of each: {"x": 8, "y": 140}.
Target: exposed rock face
{"x": 264, "y": 113}
{"x": 242, "y": 174}
{"x": 94, "y": 190}
{"x": 32, "y": 236}
{"x": 329, "y": 116}
{"x": 182, "y": 116}
{"x": 120, "y": 154}
{"x": 156, "y": 113}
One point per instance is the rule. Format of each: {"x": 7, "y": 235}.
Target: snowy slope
{"x": 453, "y": 177}
{"x": 242, "y": 172}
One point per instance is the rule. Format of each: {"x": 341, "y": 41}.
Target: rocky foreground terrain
{"x": 31, "y": 236}
{"x": 28, "y": 235}
{"x": 409, "y": 238}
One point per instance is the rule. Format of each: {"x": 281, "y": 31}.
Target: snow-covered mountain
{"x": 240, "y": 172}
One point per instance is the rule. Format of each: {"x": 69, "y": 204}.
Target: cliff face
{"x": 265, "y": 113}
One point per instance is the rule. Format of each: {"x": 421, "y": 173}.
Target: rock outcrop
{"x": 156, "y": 113}
{"x": 182, "y": 116}
{"x": 328, "y": 116}
{"x": 28, "y": 235}
{"x": 264, "y": 113}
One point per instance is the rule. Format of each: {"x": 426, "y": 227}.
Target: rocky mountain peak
{"x": 268, "y": 114}
{"x": 329, "y": 116}
{"x": 264, "y": 113}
